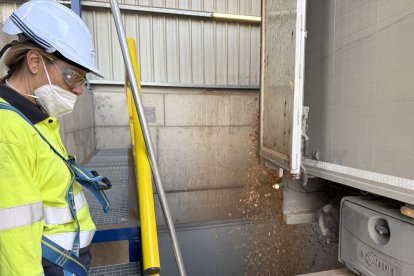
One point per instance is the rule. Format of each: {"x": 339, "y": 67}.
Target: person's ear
{"x": 33, "y": 61}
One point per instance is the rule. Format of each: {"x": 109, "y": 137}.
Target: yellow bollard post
{"x": 149, "y": 237}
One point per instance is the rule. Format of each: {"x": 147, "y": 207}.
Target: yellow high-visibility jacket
{"x": 34, "y": 182}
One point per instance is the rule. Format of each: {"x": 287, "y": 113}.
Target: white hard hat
{"x": 55, "y": 27}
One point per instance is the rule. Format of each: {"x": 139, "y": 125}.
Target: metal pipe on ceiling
{"x": 178, "y": 85}
{"x": 248, "y": 19}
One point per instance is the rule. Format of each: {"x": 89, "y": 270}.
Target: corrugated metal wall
{"x": 180, "y": 50}
{"x": 5, "y": 10}
{"x": 245, "y": 7}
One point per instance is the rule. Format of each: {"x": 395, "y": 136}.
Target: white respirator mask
{"x": 55, "y": 100}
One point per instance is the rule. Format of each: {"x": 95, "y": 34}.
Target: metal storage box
{"x": 370, "y": 232}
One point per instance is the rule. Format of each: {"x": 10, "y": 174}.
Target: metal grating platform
{"x": 112, "y": 163}
{"x": 108, "y": 160}
{"x": 130, "y": 269}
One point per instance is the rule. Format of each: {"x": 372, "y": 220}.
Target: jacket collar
{"x": 33, "y": 112}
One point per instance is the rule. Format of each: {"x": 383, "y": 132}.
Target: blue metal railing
{"x": 76, "y": 7}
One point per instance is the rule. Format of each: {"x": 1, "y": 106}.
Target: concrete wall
{"x": 176, "y": 49}
{"x": 202, "y": 140}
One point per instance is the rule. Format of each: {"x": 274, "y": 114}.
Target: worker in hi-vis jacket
{"x": 45, "y": 224}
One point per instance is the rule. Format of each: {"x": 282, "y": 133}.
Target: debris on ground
{"x": 274, "y": 248}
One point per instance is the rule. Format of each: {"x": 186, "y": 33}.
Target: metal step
{"x": 119, "y": 229}
{"x": 129, "y": 269}
{"x": 112, "y": 163}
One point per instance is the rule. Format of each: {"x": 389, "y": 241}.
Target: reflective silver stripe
{"x": 56, "y": 215}
{"x": 14, "y": 217}
{"x": 66, "y": 239}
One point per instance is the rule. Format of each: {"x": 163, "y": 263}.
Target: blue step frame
{"x": 130, "y": 233}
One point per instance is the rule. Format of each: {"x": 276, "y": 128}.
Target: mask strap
{"x": 47, "y": 74}
{"x": 21, "y": 93}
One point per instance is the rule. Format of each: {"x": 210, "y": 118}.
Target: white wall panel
{"x": 5, "y": 10}
{"x": 197, "y": 5}
{"x": 246, "y": 6}
{"x": 183, "y": 4}
{"x": 232, "y": 6}
{"x": 244, "y": 55}
{"x": 221, "y": 53}
{"x": 103, "y": 42}
{"x": 208, "y": 6}
{"x": 145, "y": 47}
{"x": 158, "y": 3}
{"x": 197, "y": 52}
{"x": 185, "y": 55}
{"x": 209, "y": 53}
{"x": 220, "y": 6}
{"x": 140, "y": 2}
{"x": 160, "y": 53}
{"x": 131, "y": 25}
{"x": 173, "y": 64}
{"x": 254, "y": 55}
{"x": 233, "y": 49}
{"x": 116, "y": 53}
{"x": 256, "y": 8}
{"x": 171, "y": 4}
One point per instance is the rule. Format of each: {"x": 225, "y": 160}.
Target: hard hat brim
{"x": 10, "y": 28}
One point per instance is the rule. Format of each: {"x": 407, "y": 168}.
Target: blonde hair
{"x": 16, "y": 54}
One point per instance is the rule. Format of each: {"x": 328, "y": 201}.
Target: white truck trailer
{"x": 337, "y": 103}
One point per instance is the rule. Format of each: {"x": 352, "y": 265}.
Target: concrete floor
{"x": 248, "y": 248}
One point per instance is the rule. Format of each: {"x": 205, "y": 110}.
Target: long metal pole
{"x": 145, "y": 131}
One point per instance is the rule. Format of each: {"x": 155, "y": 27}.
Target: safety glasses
{"x": 72, "y": 78}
